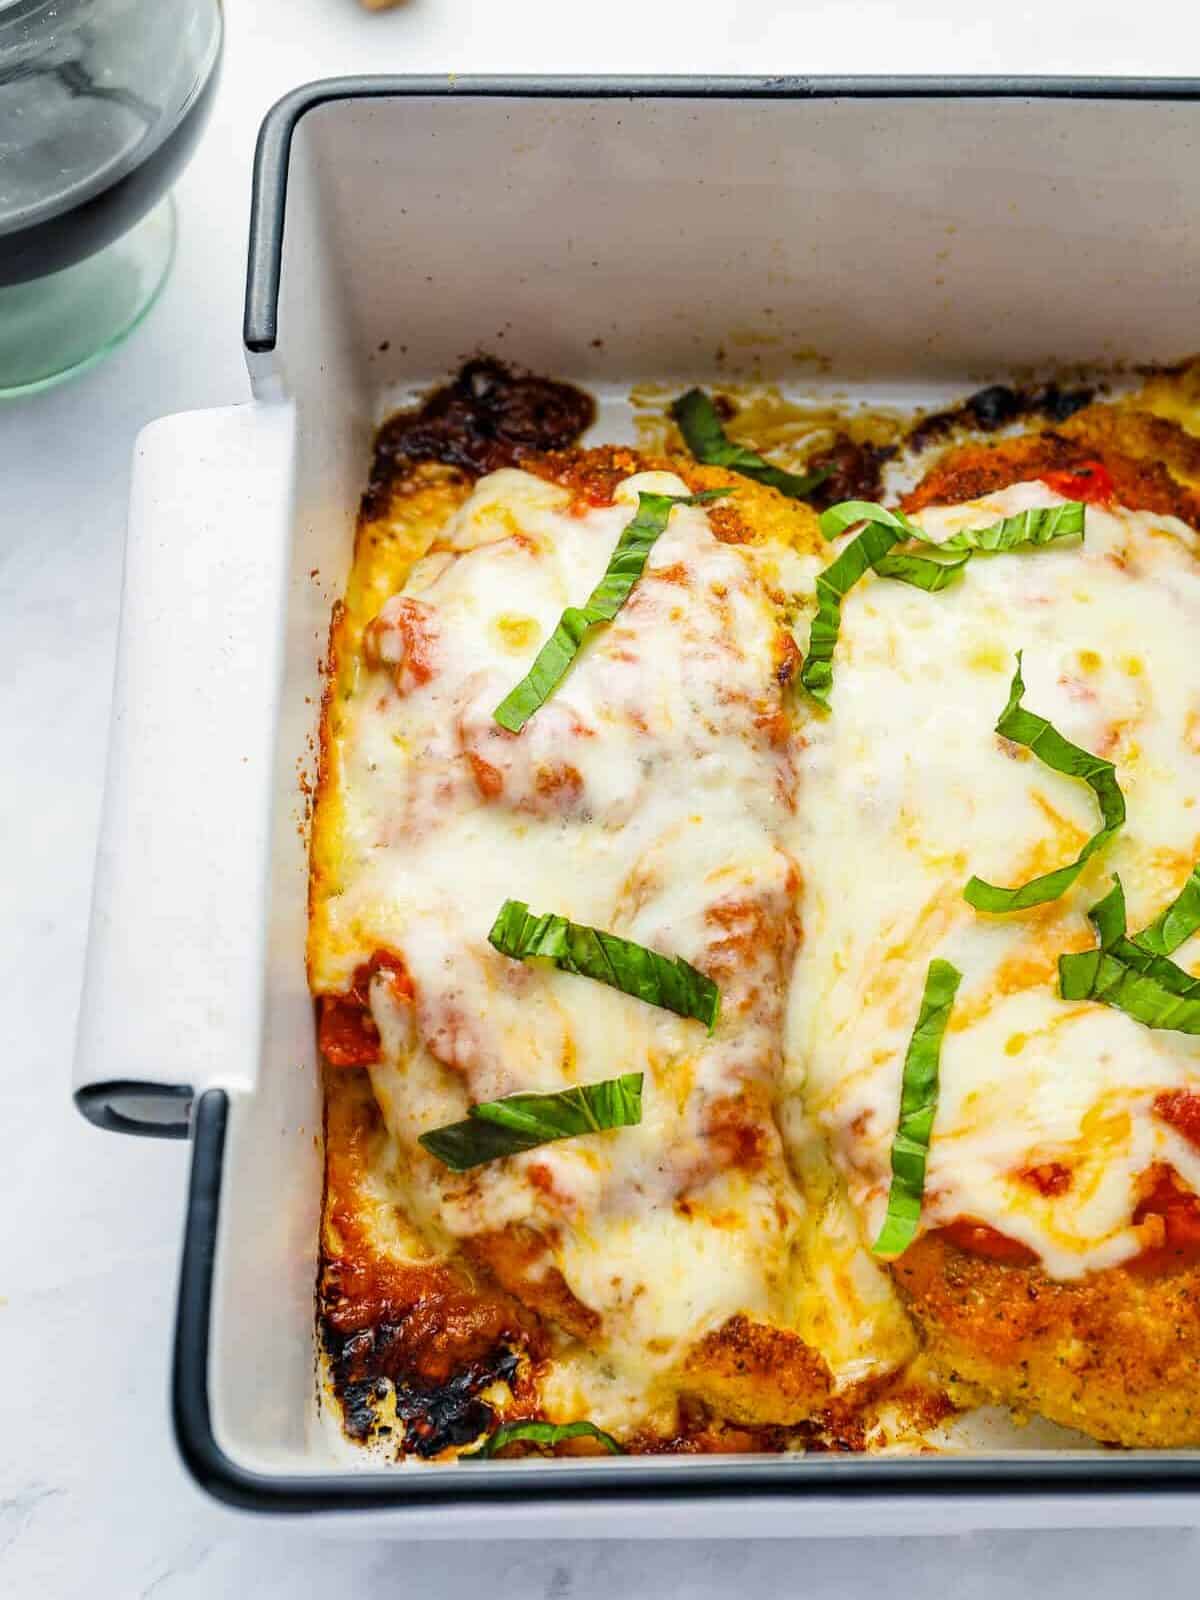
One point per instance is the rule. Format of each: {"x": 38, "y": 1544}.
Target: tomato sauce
{"x": 1179, "y": 1211}
{"x": 404, "y": 640}
{"x": 1048, "y": 1177}
{"x": 980, "y": 1239}
{"x": 1181, "y": 1108}
{"x": 489, "y": 780}
{"x": 1090, "y": 481}
{"x": 346, "y": 1032}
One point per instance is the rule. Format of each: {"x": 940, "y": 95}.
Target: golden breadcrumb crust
{"x": 1116, "y": 1355}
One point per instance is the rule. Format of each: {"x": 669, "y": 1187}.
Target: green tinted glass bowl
{"x": 101, "y": 104}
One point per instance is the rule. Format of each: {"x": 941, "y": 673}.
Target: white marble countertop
{"x": 92, "y": 1498}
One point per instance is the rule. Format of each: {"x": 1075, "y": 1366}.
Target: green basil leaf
{"x": 1141, "y": 953}
{"x": 848, "y": 513}
{"x": 1167, "y": 974}
{"x": 547, "y": 1433}
{"x": 704, "y": 436}
{"x": 625, "y": 567}
{"x": 667, "y": 981}
{"x": 1177, "y": 924}
{"x": 1107, "y": 916}
{"x": 1104, "y": 976}
{"x": 1136, "y": 975}
{"x": 1078, "y": 971}
{"x": 863, "y": 552}
{"x": 1028, "y": 530}
{"x": 934, "y": 568}
{"x": 497, "y": 1128}
{"x": 931, "y": 573}
{"x": 918, "y": 1106}
{"x": 1060, "y": 755}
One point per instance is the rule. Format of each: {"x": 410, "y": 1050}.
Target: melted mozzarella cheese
{"x": 650, "y": 796}
{"x": 906, "y": 791}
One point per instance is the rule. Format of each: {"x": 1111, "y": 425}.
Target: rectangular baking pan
{"x": 897, "y": 238}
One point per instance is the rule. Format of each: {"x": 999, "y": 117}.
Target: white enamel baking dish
{"x": 904, "y": 239}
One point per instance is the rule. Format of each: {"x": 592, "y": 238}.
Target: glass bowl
{"x": 101, "y": 104}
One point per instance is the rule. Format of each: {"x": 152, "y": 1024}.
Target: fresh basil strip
{"x": 1104, "y": 976}
{"x": 704, "y": 436}
{"x": 1107, "y": 916}
{"x": 1060, "y": 755}
{"x": 930, "y": 573}
{"x": 934, "y": 568}
{"x": 625, "y": 567}
{"x": 549, "y": 1433}
{"x": 667, "y": 981}
{"x": 847, "y": 513}
{"x": 1136, "y": 975}
{"x": 1177, "y": 924}
{"x": 863, "y": 552}
{"x": 872, "y": 548}
{"x": 1028, "y": 530}
{"x": 519, "y": 1122}
{"x": 1142, "y": 953}
{"x": 918, "y": 1106}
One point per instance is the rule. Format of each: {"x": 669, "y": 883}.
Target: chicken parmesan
{"x": 719, "y": 1053}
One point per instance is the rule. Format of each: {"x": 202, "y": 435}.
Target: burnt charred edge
{"x": 489, "y": 417}
{"x": 435, "y": 1415}
{"x": 452, "y": 1413}
{"x": 855, "y": 471}
{"x": 360, "y": 1402}
{"x": 996, "y": 407}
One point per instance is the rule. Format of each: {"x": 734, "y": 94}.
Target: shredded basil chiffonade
{"x": 1136, "y": 975}
{"x": 918, "y": 1106}
{"x": 543, "y": 1433}
{"x": 934, "y": 568}
{"x": 518, "y": 1122}
{"x": 698, "y": 422}
{"x": 667, "y": 981}
{"x": 625, "y": 567}
{"x": 1060, "y": 755}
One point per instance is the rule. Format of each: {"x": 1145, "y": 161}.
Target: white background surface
{"x": 92, "y": 1499}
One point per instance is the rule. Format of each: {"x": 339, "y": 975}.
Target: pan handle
{"x": 172, "y": 992}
